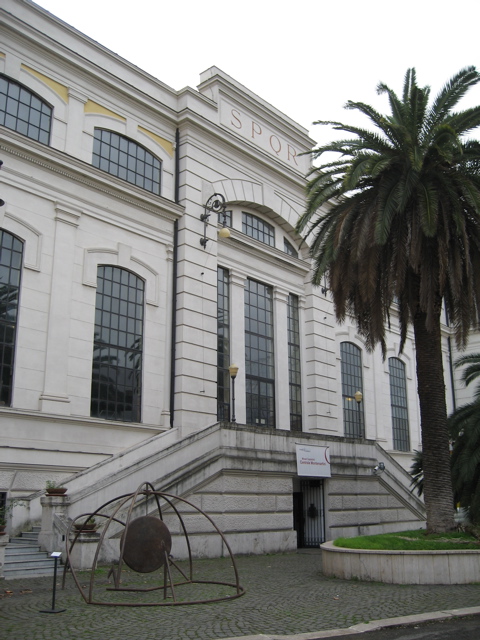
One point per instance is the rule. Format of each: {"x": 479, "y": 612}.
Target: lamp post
{"x": 358, "y": 399}
{"x": 233, "y": 370}
{"x": 216, "y": 205}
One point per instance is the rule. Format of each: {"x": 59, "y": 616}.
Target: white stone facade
{"x": 72, "y": 217}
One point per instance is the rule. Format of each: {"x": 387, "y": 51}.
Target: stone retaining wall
{"x": 401, "y": 567}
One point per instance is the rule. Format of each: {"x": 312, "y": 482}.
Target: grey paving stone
{"x": 286, "y": 594}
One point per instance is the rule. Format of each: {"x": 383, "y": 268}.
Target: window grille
{"x": 294, "y": 373}
{"x": 258, "y": 229}
{"x": 11, "y": 255}
{"x": 259, "y": 355}
{"x": 24, "y": 112}
{"x": 127, "y": 160}
{"x": 352, "y": 381}
{"x": 399, "y": 406}
{"x": 223, "y": 345}
{"x": 118, "y": 345}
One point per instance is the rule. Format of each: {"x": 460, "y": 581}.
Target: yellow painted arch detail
{"x": 168, "y": 146}
{"x": 94, "y": 107}
{"x": 60, "y": 89}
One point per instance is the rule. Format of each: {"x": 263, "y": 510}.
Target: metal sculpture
{"x": 145, "y": 547}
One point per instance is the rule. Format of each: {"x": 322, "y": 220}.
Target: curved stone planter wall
{"x": 401, "y": 567}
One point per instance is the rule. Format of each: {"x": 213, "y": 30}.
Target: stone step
{"x": 23, "y": 541}
{"x": 28, "y": 572}
{"x": 29, "y": 535}
{"x": 21, "y": 549}
{"x": 24, "y": 559}
{"x": 28, "y": 563}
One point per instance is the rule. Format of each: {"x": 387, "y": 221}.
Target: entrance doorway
{"x": 308, "y": 513}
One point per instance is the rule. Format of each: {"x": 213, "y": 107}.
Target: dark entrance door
{"x": 308, "y": 514}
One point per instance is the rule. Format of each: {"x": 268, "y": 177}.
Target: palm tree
{"x": 396, "y": 219}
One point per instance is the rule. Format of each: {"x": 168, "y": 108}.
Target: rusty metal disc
{"x": 146, "y": 540}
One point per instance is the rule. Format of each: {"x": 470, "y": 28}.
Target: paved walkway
{"x": 287, "y": 596}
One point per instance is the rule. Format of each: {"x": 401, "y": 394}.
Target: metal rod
{"x": 233, "y": 400}
{"x": 53, "y": 610}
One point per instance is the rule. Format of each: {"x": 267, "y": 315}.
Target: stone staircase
{"x": 23, "y": 558}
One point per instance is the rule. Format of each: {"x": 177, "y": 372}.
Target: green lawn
{"x": 411, "y": 541}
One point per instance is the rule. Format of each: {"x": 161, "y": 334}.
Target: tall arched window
{"x": 118, "y": 344}
{"x": 22, "y": 111}
{"x": 11, "y": 253}
{"x": 126, "y": 159}
{"x": 352, "y": 383}
{"x": 398, "y": 402}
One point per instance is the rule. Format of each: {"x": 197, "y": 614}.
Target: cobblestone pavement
{"x": 286, "y": 594}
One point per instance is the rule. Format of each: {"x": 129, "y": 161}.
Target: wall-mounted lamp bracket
{"x": 377, "y": 470}
{"x": 215, "y": 204}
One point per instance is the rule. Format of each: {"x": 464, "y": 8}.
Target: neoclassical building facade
{"x": 147, "y": 243}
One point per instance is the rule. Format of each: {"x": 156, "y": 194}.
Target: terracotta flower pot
{"x": 80, "y": 526}
{"x": 56, "y": 491}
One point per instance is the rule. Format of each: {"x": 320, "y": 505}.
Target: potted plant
{"x": 87, "y": 524}
{"x": 6, "y": 510}
{"x": 3, "y": 520}
{"x": 53, "y": 490}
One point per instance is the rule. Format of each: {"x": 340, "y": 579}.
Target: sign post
{"x": 55, "y": 555}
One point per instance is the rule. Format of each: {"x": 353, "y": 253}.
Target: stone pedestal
{"x": 83, "y": 552}
{"x": 49, "y": 538}
{"x": 3, "y": 543}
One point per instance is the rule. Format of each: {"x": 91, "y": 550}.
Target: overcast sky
{"x": 305, "y": 57}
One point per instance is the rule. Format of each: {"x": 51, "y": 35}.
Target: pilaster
{"x": 54, "y": 398}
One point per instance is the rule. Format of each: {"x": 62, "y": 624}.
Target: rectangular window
{"x": 223, "y": 345}
{"x": 352, "y": 390}
{"x": 398, "y": 401}
{"x": 259, "y": 355}
{"x": 294, "y": 374}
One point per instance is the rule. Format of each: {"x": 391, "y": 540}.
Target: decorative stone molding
{"x": 121, "y": 257}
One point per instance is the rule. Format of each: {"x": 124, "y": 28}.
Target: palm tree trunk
{"x": 433, "y": 416}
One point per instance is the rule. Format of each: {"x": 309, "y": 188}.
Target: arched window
{"x": 398, "y": 402}
{"x": 118, "y": 344}
{"x": 258, "y": 229}
{"x": 127, "y": 160}
{"x": 352, "y": 383}
{"x": 289, "y": 248}
{"x": 11, "y": 253}
{"x": 22, "y": 111}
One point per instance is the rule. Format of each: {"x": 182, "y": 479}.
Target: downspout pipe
{"x": 174, "y": 283}
{"x": 450, "y": 363}
{"x": 452, "y": 377}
